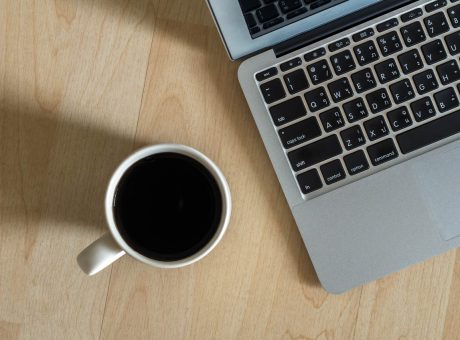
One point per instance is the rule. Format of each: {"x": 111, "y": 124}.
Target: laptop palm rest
{"x": 413, "y": 206}
{"x": 438, "y": 176}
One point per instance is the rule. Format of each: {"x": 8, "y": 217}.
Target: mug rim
{"x": 182, "y": 150}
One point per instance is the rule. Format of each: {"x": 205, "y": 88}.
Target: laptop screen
{"x": 230, "y": 17}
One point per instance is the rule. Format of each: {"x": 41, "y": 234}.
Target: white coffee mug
{"x": 112, "y": 246}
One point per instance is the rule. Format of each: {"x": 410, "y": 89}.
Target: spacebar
{"x": 429, "y": 133}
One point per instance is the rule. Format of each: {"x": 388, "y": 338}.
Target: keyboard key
{"x": 296, "y": 81}
{"x": 363, "y": 80}
{"x": 296, "y": 13}
{"x": 340, "y": 90}
{"x": 300, "y": 132}
{"x": 387, "y": 70}
{"x": 272, "y": 23}
{"x": 425, "y": 82}
{"x": 317, "y": 3}
{"x": 382, "y": 152}
{"x": 355, "y": 110}
{"x": 386, "y": 25}
{"x": 287, "y": 111}
{"x": 254, "y": 30}
{"x": 448, "y": 72}
{"x": 337, "y": 45}
{"x": 429, "y": 133}
{"x": 310, "y": 56}
{"x": 378, "y": 100}
{"x": 356, "y": 162}
{"x": 410, "y": 61}
{"x": 272, "y": 91}
{"x": 315, "y": 153}
{"x": 367, "y": 33}
{"x": 376, "y": 128}
{"x": 423, "y": 109}
{"x": 433, "y": 6}
{"x": 289, "y": 5}
{"x": 389, "y": 43}
{"x": 453, "y": 43}
{"x": 342, "y": 62}
{"x": 399, "y": 118}
{"x": 286, "y": 66}
{"x": 446, "y": 100}
{"x": 454, "y": 16}
{"x": 250, "y": 21}
{"x": 352, "y": 137}
{"x": 332, "y": 172}
{"x": 413, "y": 34}
{"x": 317, "y": 99}
{"x": 249, "y": 5}
{"x": 271, "y": 72}
{"x": 434, "y": 52}
{"x": 366, "y": 53}
{"x": 267, "y": 13}
{"x": 402, "y": 91}
{"x": 436, "y": 24}
{"x": 411, "y": 15}
{"x": 319, "y": 72}
{"x": 309, "y": 181}
{"x": 331, "y": 119}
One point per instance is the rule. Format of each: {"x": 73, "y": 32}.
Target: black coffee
{"x": 167, "y": 206}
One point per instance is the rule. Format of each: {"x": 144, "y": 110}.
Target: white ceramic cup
{"x": 112, "y": 246}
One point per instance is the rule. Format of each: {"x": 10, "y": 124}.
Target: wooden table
{"x": 82, "y": 85}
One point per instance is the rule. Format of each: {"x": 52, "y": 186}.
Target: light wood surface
{"x": 83, "y": 84}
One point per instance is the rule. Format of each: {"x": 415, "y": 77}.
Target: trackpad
{"x": 438, "y": 177}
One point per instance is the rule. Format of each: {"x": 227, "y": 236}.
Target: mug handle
{"x": 99, "y": 255}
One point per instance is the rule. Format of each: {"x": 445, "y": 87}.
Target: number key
{"x": 389, "y": 43}
{"x": 296, "y": 81}
{"x": 366, "y": 53}
{"x": 319, "y": 72}
{"x": 413, "y": 34}
{"x": 342, "y": 62}
{"x": 436, "y": 24}
{"x": 454, "y": 15}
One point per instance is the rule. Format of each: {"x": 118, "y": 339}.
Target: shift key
{"x": 315, "y": 153}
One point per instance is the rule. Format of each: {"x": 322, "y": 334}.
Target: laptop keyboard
{"x": 367, "y": 101}
{"x": 263, "y": 16}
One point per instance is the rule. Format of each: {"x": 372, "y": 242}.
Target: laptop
{"x": 358, "y": 105}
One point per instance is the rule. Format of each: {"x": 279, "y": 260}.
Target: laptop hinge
{"x": 338, "y": 25}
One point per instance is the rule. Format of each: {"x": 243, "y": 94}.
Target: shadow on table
{"x": 55, "y": 169}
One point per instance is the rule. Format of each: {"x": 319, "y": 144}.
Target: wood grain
{"x": 82, "y": 84}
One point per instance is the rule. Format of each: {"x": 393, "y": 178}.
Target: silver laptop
{"x": 358, "y": 105}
